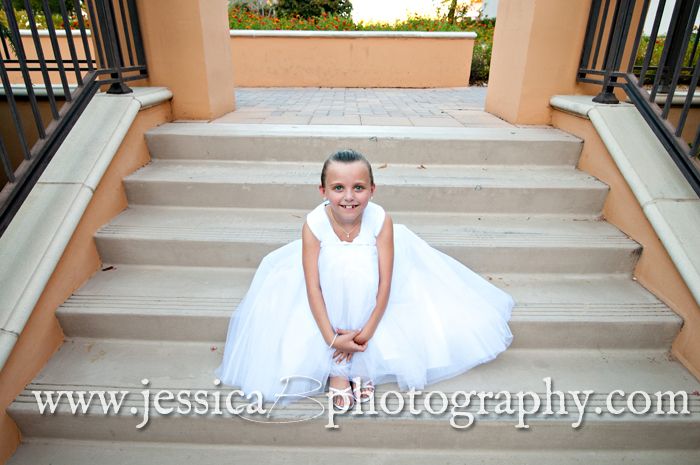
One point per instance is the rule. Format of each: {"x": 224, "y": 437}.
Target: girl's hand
{"x": 363, "y": 336}
{"x": 345, "y": 342}
{"x": 339, "y": 356}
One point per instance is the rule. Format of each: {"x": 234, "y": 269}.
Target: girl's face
{"x": 348, "y": 190}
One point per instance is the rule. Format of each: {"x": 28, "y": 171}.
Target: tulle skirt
{"x": 441, "y": 320}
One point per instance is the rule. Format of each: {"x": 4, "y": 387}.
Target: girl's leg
{"x": 363, "y": 388}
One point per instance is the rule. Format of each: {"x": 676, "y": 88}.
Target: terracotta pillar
{"x": 188, "y": 50}
{"x": 536, "y": 53}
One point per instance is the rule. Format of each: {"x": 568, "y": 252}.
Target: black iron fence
{"x": 650, "y": 50}
{"x": 49, "y": 76}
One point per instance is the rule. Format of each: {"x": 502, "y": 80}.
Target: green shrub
{"x": 37, "y": 6}
{"x": 242, "y": 18}
{"x": 656, "y": 57}
{"x": 314, "y": 8}
{"x": 5, "y": 32}
{"x": 481, "y": 62}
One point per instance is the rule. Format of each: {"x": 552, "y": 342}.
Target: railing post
{"x": 615, "y": 49}
{"x": 114, "y": 58}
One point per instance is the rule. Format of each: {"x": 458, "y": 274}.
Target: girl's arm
{"x": 385, "y": 251}
{"x": 310, "y": 250}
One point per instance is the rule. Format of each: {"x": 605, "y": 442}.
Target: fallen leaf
{"x": 213, "y": 348}
{"x": 382, "y": 166}
{"x": 422, "y": 167}
{"x": 109, "y": 268}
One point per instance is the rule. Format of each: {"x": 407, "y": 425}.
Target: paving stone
{"x": 450, "y": 107}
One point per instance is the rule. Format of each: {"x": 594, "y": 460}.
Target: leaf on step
{"x": 422, "y": 167}
{"x": 213, "y": 348}
{"x": 384, "y": 165}
{"x": 109, "y": 268}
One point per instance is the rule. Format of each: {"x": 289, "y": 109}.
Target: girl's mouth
{"x": 348, "y": 207}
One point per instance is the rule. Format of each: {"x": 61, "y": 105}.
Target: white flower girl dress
{"x": 441, "y": 319}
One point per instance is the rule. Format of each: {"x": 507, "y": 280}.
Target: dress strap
{"x": 375, "y": 215}
{"x": 316, "y": 219}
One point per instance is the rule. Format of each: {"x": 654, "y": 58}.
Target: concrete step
{"x": 195, "y": 304}
{"x": 62, "y": 452}
{"x": 89, "y": 364}
{"x": 414, "y": 145}
{"x": 239, "y": 238}
{"x": 463, "y": 189}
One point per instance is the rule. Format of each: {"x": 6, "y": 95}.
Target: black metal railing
{"x": 657, "y": 71}
{"x": 49, "y": 76}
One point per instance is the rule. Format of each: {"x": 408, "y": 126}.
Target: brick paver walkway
{"x": 451, "y": 107}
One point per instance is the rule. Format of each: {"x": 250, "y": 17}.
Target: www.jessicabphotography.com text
{"x": 460, "y": 408}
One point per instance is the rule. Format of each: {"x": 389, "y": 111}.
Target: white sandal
{"x": 345, "y": 395}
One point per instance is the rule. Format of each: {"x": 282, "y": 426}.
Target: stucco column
{"x": 536, "y": 53}
{"x": 188, "y": 50}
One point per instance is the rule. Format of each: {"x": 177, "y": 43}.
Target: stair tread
{"x": 363, "y": 132}
{"x": 133, "y": 289}
{"x": 516, "y": 145}
{"x": 307, "y": 174}
{"x": 179, "y": 365}
{"x": 283, "y": 226}
{"x": 38, "y": 451}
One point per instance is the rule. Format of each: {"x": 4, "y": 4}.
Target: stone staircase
{"x": 508, "y": 202}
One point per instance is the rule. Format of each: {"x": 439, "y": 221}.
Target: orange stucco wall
{"x": 691, "y": 123}
{"x": 351, "y": 61}
{"x": 287, "y": 61}
{"x": 9, "y": 133}
{"x": 30, "y": 51}
{"x": 655, "y": 270}
{"x": 42, "y": 335}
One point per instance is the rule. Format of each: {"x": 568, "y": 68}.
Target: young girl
{"x": 358, "y": 298}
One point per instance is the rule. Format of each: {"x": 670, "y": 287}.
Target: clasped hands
{"x": 348, "y": 342}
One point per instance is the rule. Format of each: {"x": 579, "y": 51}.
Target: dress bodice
{"x": 348, "y": 271}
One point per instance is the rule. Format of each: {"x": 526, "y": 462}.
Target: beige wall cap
{"x": 355, "y": 34}
{"x": 45, "y": 32}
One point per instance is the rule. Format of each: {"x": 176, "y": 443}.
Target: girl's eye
{"x": 359, "y": 188}
{"x": 338, "y": 188}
